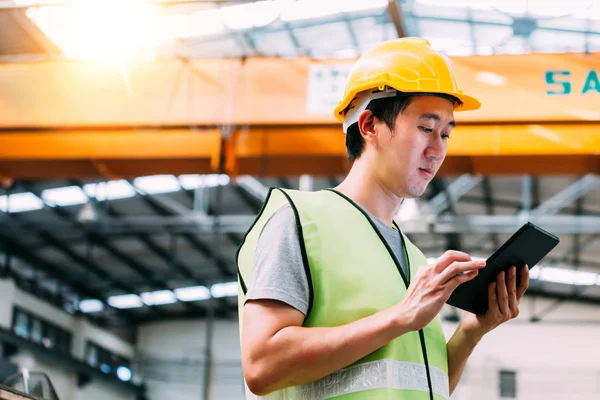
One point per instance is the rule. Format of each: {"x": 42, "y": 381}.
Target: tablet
{"x": 526, "y": 247}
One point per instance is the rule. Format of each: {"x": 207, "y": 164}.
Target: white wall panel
{"x": 174, "y": 342}
{"x": 65, "y": 382}
{"x": 7, "y": 289}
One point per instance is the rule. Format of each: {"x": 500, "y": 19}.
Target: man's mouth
{"x": 427, "y": 172}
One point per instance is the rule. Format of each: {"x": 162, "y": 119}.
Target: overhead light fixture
{"x": 20, "y": 202}
{"x": 125, "y": 301}
{"x": 158, "y": 297}
{"x": 124, "y": 373}
{"x": 90, "y": 306}
{"x": 568, "y": 276}
{"x": 311, "y": 9}
{"x": 65, "y": 196}
{"x": 189, "y": 182}
{"x": 193, "y": 293}
{"x": 228, "y": 289}
{"x": 111, "y": 190}
{"x": 262, "y": 14}
{"x": 157, "y": 184}
{"x": 554, "y": 274}
{"x": 534, "y": 273}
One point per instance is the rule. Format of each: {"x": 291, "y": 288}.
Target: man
{"x": 335, "y": 302}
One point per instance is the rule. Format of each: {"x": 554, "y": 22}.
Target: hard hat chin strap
{"x": 360, "y": 103}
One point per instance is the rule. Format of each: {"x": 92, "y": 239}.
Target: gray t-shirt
{"x": 278, "y": 271}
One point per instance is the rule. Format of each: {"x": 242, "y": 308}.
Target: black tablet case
{"x": 527, "y": 246}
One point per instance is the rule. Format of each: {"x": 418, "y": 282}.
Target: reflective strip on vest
{"x": 379, "y": 374}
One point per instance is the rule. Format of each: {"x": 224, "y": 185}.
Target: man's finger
{"x": 513, "y": 302}
{"x": 448, "y": 258}
{"x": 502, "y": 293}
{"x": 458, "y": 268}
{"x": 523, "y": 282}
{"x": 493, "y": 299}
{"x": 460, "y": 279}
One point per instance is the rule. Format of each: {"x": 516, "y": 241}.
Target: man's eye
{"x": 425, "y": 129}
{"x": 445, "y": 136}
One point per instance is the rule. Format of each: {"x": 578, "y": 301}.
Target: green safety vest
{"x": 352, "y": 273}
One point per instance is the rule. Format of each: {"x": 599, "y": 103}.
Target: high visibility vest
{"x": 352, "y": 273}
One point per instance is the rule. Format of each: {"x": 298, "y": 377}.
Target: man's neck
{"x": 365, "y": 190}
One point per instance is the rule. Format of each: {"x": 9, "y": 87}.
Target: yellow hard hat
{"x": 408, "y": 65}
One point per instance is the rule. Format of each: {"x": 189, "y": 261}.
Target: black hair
{"x": 386, "y": 110}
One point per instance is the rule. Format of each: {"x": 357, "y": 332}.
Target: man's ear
{"x": 366, "y": 125}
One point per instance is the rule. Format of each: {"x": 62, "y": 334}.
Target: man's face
{"x": 410, "y": 157}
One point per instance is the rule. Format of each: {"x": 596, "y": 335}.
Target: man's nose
{"x": 435, "y": 150}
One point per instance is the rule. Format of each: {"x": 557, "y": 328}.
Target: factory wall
{"x": 553, "y": 359}
{"x": 64, "y": 381}
{"x": 175, "y": 354}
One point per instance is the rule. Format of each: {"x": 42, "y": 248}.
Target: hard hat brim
{"x": 469, "y": 103}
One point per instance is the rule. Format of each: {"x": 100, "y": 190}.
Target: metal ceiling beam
{"x": 248, "y": 198}
{"x": 455, "y": 190}
{"x": 254, "y": 187}
{"x": 57, "y": 272}
{"x": 96, "y": 238}
{"x": 453, "y": 240}
{"x": 250, "y": 43}
{"x": 472, "y": 33}
{"x": 239, "y": 224}
{"x": 382, "y": 18}
{"x": 562, "y": 296}
{"x": 488, "y": 199}
{"x": 145, "y": 273}
{"x": 526, "y": 194}
{"x": 87, "y": 264}
{"x": 167, "y": 258}
{"x": 577, "y": 245}
{"x": 510, "y": 223}
{"x": 352, "y": 34}
{"x": 154, "y": 247}
{"x": 395, "y": 12}
{"x": 196, "y": 243}
{"x": 567, "y": 196}
{"x": 287, "y": 27}
{"x": 293, "y": 38}
{"x": 173, "y": 206}
{"x": 10, "y": 5}
{"x": 34, "y": 32}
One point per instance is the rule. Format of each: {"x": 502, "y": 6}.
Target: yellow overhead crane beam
{"x": 540, "y": 115}
{"x": 109, "y": 153}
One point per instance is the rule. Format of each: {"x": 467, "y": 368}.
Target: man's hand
{"x": 503, "y": 298}
{"x": 433, "y": 285}
{"x": 503, "y": 302}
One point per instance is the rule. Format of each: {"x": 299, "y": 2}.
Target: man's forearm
{"x": 460, "y": 346}
{"x": 297, "y": 355}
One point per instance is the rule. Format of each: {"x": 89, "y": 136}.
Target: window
{"x": 21, "y": 324}
{"x": 41, "y": 331}
{"x": 49, "y": 339}
{"x": 36, "y": 330}
{"x": 107, "y": 362}
{"x": 508, "y": 384}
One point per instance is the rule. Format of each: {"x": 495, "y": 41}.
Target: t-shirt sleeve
{"x": 278, "y": 272}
